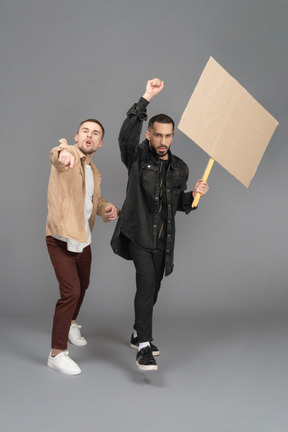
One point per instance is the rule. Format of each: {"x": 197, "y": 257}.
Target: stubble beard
{"x": 86, "y": 151}
{"x": 160, "y": 154}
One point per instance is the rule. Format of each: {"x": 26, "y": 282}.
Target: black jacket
{"x": 139, "y": 215}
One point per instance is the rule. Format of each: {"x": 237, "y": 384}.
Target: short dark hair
{"x": 94, "y": 121}
{"x": 160, "y": 118}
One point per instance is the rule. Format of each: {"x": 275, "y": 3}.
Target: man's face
{"x": 160, "y": 137}
{"x": 89, "y": 137}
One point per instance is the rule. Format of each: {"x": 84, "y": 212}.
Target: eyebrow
{"x": 159, "y": 133}
{"x": 85, "y": 128}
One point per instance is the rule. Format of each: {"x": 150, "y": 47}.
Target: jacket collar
{"x": 82, "y": 156}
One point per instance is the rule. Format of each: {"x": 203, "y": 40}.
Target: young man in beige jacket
{"x": 74, "y": 199}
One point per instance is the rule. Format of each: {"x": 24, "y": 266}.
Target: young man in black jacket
{"x": 145, "y": 231}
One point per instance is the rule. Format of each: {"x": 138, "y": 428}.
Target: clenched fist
{"x": 153, "y": 87}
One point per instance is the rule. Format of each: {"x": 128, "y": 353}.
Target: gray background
{"x": 63, "y": 61}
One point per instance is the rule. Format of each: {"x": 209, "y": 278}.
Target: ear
{"x": 76, "y": 138}
{"x": 147, "y": 134}
{"x": 101, "y": 143}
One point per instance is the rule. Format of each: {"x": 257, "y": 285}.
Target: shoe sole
{"x": 155, "y": 353}
{"x": 66, "y": 373}
{"x": 146, "y": 368}
{"x": 77, "y": 344}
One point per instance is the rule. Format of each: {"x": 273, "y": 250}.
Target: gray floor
{"x": 225, "y": 374}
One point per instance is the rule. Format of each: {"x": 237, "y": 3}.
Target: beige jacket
{"x": 66, "y": 196}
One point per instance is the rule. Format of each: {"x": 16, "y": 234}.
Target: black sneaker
{"x": 145, "y": 359}
{"x": 134, "y": 344}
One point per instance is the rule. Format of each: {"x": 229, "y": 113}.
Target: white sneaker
{"x": 74, "y": 335}
{"x": 63, "y": 363}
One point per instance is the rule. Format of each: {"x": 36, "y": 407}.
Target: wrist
{"x": 147, "y": 96}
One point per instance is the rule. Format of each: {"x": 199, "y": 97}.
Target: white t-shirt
{"x": 74, "y": 245}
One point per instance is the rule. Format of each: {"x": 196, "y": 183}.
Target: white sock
{"x": 135, "y": 334}
{"x": 143, "y": 345}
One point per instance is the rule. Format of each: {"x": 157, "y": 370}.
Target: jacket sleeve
{"x": 54, "y": 154}
{"x": 102, "y": 204}
{"x": 185, "y": 199}
{"x": 185, "y": 202}
{"x": 129, "y": 136}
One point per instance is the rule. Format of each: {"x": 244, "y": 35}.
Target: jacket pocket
{"x": 148, "y": 174}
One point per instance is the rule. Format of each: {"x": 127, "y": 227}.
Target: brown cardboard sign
{"x": 227, "y": 122}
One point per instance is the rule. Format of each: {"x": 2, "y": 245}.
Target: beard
{"x": 158, "y": 153}
{"x": 86, "y": 151}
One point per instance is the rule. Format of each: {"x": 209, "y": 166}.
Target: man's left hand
{"x": 111, "y": 212}
{"x": 200, "y": 187}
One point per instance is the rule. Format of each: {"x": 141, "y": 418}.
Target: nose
{"x": 163, "y": 140}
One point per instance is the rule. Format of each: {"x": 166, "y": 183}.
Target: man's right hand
{"x": 66, "y": 158}
{"x": 153, "y": 87}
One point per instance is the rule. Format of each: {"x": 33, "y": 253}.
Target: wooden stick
{"x": 205, "y": 177}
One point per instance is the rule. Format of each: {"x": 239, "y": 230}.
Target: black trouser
{"x": 149, "y": 274}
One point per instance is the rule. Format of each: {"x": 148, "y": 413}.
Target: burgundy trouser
{"x": 73, "y": 274}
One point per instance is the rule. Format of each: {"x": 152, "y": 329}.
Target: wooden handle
{"x": 205, "y": 177}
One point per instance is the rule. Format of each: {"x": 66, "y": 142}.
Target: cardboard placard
{"x": 227, "y": 122}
